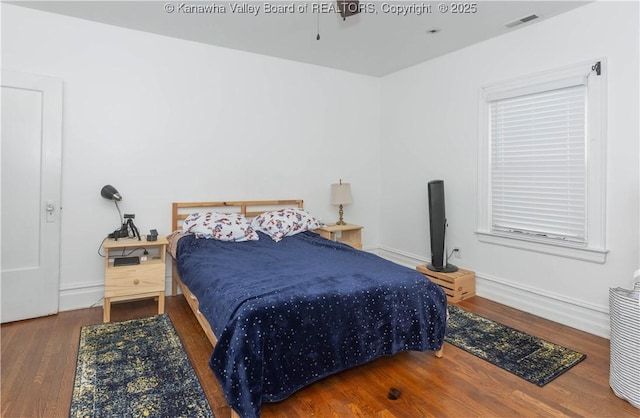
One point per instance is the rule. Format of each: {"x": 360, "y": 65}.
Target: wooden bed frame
{"x": 250, "y": 208}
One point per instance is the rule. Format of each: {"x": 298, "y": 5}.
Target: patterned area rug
{"x": 531, "y": 358}
{"x": 135, "y": 368}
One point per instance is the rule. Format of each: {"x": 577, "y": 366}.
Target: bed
{"x": 284, "y": 313}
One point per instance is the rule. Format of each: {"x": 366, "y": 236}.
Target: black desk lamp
{"x": 110, "y": 193}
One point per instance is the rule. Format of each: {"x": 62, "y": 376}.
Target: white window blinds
{"x": 538, "y": 163}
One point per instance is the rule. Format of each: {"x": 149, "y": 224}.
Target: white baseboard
{"x": 81, "y": 295}
{"x": 401, "y": 257}
{"x": 571, "y": 312}
{"x": 575, "y": 313}
{"x": 558, "y": 308}
{"x": 89, "y": 294}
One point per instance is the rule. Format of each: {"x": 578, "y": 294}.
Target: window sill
{"x": 593, "y": 255}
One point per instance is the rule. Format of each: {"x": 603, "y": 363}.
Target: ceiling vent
{"x": 521, "y": 21}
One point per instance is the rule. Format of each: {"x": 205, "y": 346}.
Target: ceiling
{"x": 376, "y": 42}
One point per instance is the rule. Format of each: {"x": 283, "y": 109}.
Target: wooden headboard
{"x": 249, "y": 208}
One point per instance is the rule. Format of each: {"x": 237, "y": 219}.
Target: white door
{"x": 31, "y": 167}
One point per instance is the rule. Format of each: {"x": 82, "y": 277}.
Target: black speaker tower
{"x": 438, "y": 228}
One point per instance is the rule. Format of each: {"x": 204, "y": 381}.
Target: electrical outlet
{"x": 457, "y": 252}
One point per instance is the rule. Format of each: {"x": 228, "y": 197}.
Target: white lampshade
{"x": 341, "y": 194}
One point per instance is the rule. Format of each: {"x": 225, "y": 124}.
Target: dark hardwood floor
{"x": 39, "y": 358}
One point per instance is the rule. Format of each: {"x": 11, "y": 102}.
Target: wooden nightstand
{"x": 349, "y": 234}
{"x": 458, "y": 285}
{"x": 136, "y": 281}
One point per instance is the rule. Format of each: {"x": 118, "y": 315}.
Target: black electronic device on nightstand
{"x": 153, "y": 235}
{"x": 125, "y": 261}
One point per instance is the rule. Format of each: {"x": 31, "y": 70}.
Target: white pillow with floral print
{"x": 284, "y": 223}
{"x": 220, "y": 226}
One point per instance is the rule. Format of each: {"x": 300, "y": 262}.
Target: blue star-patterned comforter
{"x": 289, "y": 313}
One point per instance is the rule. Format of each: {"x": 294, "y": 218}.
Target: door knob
{"x": 50, "y": 207}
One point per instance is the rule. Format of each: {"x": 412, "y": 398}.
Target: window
{"x": 542, "y": 163}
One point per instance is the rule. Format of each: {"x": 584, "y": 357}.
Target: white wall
{"x": 430, "y": 131}
{"x": 168, "y": 120}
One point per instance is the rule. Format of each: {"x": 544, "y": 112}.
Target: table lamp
{"x": 341, "y": 195}
{"x": 110, "y": 193}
